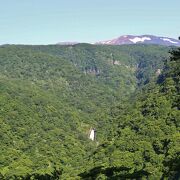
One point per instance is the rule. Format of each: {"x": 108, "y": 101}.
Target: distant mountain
{"x": 67, "y": 43}
{"x": 131, "y": 39}
{"x": 143, "y": 39}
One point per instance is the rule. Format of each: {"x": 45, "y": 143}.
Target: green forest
{"x": 52, "y": 95}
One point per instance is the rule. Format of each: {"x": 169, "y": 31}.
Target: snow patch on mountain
{"x": 169, "y": 40}
{"x": 106, "y": 42}
{"x": 138, "y": 39}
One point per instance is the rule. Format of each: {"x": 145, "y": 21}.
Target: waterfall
{"x": 92, "y": 134}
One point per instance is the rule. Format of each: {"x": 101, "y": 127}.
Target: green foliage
{"x": 147, "y": 145}
{"x": 50, "y": 97}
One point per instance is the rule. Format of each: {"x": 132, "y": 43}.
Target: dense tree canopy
{"x": 147, "y": 143}
{"x": 50, "y": 97}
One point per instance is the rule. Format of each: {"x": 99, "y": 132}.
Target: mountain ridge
{"x": 142, "y": 39}
{"x": 133, "y": 39}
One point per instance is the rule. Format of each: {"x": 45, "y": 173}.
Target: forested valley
{"x": 51, "y": 96}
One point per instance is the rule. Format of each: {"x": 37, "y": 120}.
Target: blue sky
{"x": 52, "y": 21}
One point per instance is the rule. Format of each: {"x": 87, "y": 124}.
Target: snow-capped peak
{"x": 144, "y": 39}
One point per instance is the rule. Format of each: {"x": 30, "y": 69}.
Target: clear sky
{"x": 52, "y": 21}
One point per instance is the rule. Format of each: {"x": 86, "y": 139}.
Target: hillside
{"x": 147, "y": 143}
{"x": 52, "y": 95}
